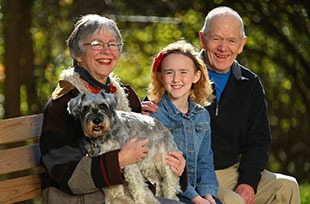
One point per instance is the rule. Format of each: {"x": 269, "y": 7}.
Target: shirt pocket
{"x": 201, "y": 131}
{"x": 177, "y": 132}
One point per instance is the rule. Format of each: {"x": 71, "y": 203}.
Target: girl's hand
{"x": 176, "y": 161}
{"x": 208, "y": 199}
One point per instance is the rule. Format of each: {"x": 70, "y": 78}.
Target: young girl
{"x": 181, "y": 86}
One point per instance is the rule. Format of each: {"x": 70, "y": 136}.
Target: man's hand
{"x": 148, "y": 107}
{"x": 246, "y": 192}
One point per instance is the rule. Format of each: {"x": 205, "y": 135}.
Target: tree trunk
{"x": 27, "y": 58}
{"x": 16, "y": 24}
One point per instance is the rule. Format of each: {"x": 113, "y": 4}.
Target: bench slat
{"x": 21, "y": 128}
{"x": 20, "y": 189}
{"x": 19, "y": 158}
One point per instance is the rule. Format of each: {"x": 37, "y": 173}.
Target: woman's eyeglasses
{"x": 95, "y": 45}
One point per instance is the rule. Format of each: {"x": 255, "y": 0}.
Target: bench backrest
{"x": 20, "y": 158}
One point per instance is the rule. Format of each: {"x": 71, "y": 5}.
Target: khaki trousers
{"x": 273, "y": 188}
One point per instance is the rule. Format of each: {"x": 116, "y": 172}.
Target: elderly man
{"x": 239, "y": 120}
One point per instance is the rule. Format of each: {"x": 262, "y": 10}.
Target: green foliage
{"x": 141, "y": 44}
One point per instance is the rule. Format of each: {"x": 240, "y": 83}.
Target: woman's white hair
{"x": 88, "y": 25}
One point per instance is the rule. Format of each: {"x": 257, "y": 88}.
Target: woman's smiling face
{"x": 99, "y": 63}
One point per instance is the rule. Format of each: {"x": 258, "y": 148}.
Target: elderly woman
{"x": 72, "y": 177}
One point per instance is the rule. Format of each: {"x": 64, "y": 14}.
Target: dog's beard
{"x": 95, "y": 129}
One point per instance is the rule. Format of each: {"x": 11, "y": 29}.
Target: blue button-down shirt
{"x": 192, "y": 134}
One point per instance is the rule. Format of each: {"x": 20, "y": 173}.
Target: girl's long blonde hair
{"x": 201, "y": 92}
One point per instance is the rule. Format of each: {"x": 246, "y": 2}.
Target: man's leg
{"x": 227, "y": 179}
{"x": 275, "y": 188}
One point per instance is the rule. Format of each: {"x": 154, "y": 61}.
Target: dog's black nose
{"x": 96, "y": 121}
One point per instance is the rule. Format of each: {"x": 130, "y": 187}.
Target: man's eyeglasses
{"x": 95, "y": 45}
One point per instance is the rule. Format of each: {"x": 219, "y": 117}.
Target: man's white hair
{"x": 222, "y": 11}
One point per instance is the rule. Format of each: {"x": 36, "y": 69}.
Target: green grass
{"x": 305, "y": 193}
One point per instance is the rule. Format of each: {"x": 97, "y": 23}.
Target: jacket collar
{"x": 236, "y": 70}
{"x": 70, "y": 79}
{"x": 173, "y": 111}
{"x": 94, "y": 85}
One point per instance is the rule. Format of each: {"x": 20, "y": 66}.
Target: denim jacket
{"x": 192, "y": 135}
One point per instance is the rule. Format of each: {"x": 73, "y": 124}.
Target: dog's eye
{"x": 101, "y": 106}
{"x": 85, "y": 108}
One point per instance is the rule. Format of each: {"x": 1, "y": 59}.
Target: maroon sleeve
{"x": 106, "y": 170}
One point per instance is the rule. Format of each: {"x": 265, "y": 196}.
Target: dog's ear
{"x": 111, "y": 99}
{"x": 75, "y": 104}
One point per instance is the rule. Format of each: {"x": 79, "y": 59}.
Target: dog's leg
{"x": 169, "y": 186}
{"x": 137, "y": 187}
{"x": 115, "y": 195}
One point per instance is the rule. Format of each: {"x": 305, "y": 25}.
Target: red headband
{"x": 158, "y": 60}
{"x": 162, "y": 54}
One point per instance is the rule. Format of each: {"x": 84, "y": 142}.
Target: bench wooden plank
{"x": 21, "y": 128}
{"x": 19, "y": 158}
{"x": 20, "y": 189}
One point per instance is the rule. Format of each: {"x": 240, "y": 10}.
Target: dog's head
{"x": 96, "y": 112}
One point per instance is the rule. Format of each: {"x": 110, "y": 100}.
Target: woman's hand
{"x": 132, "y": 152}
{"x": 176, "y": 161}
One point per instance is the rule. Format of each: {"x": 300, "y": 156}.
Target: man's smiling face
{"x": 222, "y": 42}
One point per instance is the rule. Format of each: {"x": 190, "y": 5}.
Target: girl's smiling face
{"x": 177, "y": 74}
{"x": 99, "y": 63}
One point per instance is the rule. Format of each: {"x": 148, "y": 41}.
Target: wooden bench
{"x": 19, "y": 159}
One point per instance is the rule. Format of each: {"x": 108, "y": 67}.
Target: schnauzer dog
{"x": 107, "y": 129}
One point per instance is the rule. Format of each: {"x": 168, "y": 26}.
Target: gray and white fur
{"x": 108, "y": 129}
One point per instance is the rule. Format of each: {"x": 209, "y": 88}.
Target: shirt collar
{"x": 94, "y": 85}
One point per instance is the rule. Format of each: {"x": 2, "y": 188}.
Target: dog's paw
{"x": 121, "y": 200}
{"x": 150, "y": 200}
